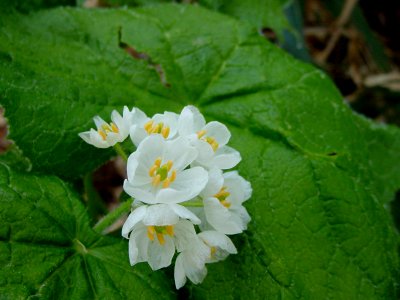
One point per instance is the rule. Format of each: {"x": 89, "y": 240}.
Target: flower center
{"x": 162, "y": 173}
{"x": 159, "y": 231}
{"x": 213, "y": 143}
{"x": 160, "y": 128}
{"x": 105, "y": 129}
{"x": 222, "y": 195}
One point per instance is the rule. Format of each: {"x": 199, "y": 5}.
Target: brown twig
{"x": 339, "y": 25}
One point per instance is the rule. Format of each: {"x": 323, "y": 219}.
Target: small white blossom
{"x": 210, "y": 140}
{"x": 223, "y": 197}
{"x": 157, "y": 171}
{"x": 209, "y": 247}
{"x": 108, "y": 134}
{"x": 165, "y": 125}
{"x": 156, "y": 244}
{"x": 157, "y": 215}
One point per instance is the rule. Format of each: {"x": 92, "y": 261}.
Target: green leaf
{"x": 49, "y": 251}
{"x": 15, "y": 159}
{"x": 321, "y": 175}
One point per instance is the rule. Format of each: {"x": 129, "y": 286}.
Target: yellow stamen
{"x": 156, "y": 180}
{"x": 165, "y": 132}
{"x": 153, "y": 170}
{"x": 150, "y": 232}
{"x": 213, "y": 250}
{"x": 166, "y": 183}
{"x": 223, "y": 193}
{"x": 148, "y": 126}
{"x": 114, "y": 128}
{"x": 214, "y": 145}
{"x": 106, "y": 127}
{"x": 157, "y": 162}
{"x": 170, "y": 230}
{"x": 102, "y": 134}
{"x": 160, "y": 238}
{"x": 169, "y": 165}
{"x": 226, "y": 203}
{"x": 201, "y": 133}
{"x": 173, "y": 176}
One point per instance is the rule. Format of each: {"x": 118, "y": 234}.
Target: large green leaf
{"x": 49, "y": 251}
{"x": 321, "y": 174}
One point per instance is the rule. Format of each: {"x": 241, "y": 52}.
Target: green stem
{"x": 193, "y": 204}
{"x": 113, "y": 216}
{"x": 120, "y": 151}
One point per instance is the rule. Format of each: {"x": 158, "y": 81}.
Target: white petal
{"x": 179, "y": 272}
{"x": 192, "y": 181}
{"x": 134, "y": 217}
{"x": 239, "y": 188}
{"x": 218, "y": 239}
{"x": 169, "y": 119}
{"x": 184, "y": 235}
{"x": 98, "y": 121}
{"x": 136, "y": 116}
{"x": 242, "y": 213}
{"x": 150, "y": 149}
{"x": 222, "y": 244}
{"x": 206, "y": 152}
{"x": 140, "y": 194}
{"x": 138, "y": 244}
{"x": 226, "y": 158}
{"x": 184, "y": 213}
{"x": 92, "y": 137}
{"x": 180, "y": 152}
{"x": 160, "y": 215}
{"x": 214, "y": 184}
{"x": 160, "y": 256}
{"x": 132, "y": 165}
{"x": 137, "y": 134}
{"x": 221, "y": 218}
{"x": 190, "y": 121}
{"x": 219, "y": 132}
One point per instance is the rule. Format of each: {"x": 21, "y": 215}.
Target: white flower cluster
{"x": 176, "y": 178}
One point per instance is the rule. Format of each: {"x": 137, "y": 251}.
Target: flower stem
{"x": 120, "y": 151}
{"x": 113, "y": 216}
{"x": 193, "y": 204}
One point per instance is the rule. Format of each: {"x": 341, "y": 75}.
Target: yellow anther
{"x": 170, "y": 230}
{"x": 213, "y": 250}
{"x": 156, "y": 180}
{"x": 150, "y": 232}
{"x": 157, "y": 162}
{"x": 166, "y": 183}
{"x": 160, "y": 238}
{"x": 173, "y": 176}
{"x": 201, "y": 133}
{"x": 169, "y": 164}
{"x": 106, "y": 127}
{"x": 226, "y": 203}
{"x": 153, "y": 170}
{"x": 165, "y": 132}
{"x": 148, "y": 126}
{"x": 222, "y": 194}
{"x": 114, "y": 128}
{"x": 102, "y": 134}
{"x": 214, "y": 145}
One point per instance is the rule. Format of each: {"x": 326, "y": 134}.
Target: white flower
{"x": 157, "y": 215}
{"x": 165, "y": 125}
{"x": 156, "y": 244}
{"x": 210, "y": 139}
{"x": 209, "y": 247}
{"x": 108, "y": 134}
{"x": 223, "y": 197}
{"x": 157, "y": 174}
